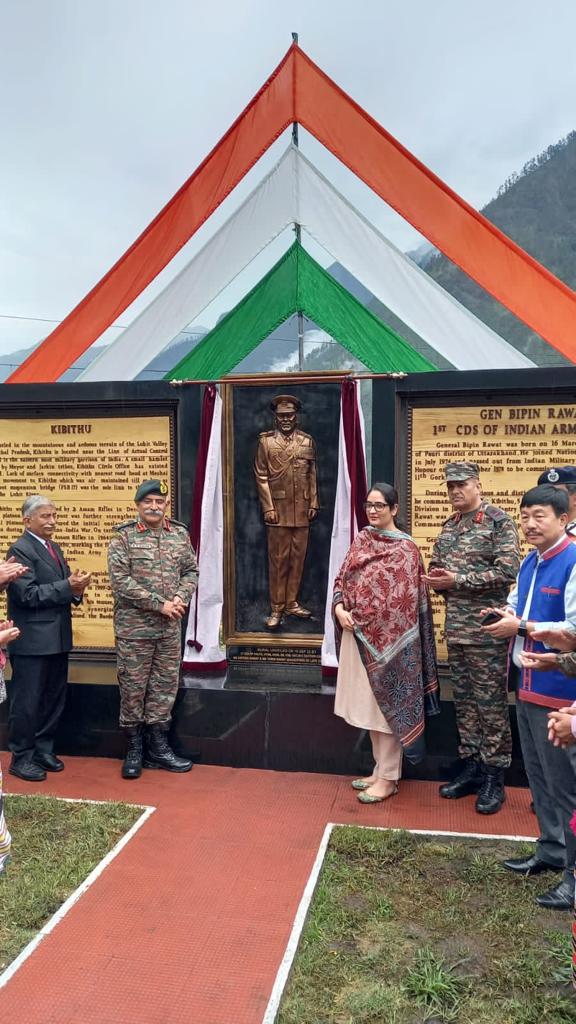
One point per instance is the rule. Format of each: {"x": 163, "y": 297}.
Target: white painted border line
{"x": 290, "y": 952}
{"x": 75, "y": 896}
{"x": 303, "y": 906}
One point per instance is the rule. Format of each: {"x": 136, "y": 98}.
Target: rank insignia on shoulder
{"x": 176, "y": 522}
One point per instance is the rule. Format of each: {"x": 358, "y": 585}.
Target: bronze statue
{"x": 285, "y": 470}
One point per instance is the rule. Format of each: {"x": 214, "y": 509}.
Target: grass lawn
{"x": 408, "y": 929}
{"x": 55, "y": 845}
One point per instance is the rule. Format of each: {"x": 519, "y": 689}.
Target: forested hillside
{"x": 537, "y": 209}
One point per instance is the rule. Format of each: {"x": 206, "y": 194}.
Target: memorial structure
{"x": 259, "y": 634}
{"x": 89, "y": 445}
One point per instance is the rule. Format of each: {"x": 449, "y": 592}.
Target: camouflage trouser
{"x": 481, "y": 702}
{"x": 148, "y": 675}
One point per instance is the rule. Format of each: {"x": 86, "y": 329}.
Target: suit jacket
{"x": 285, "y": 471}
{"x": 40, "y": 601}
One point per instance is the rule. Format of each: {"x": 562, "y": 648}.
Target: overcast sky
{"x": 107, "y": 106}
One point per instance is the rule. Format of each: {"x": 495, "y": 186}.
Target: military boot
{"x": 468, "y": 780}
{"x": 132, "y": 767}
{"x": 491, "y": 794}
{"x": 159, "y": 754}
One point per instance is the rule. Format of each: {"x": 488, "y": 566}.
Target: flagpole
{"x": 298, "y": 234}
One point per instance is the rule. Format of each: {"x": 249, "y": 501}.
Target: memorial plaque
{"x": 90, "y": 466}
{"x": 512, "y": 445}
{"x": 266, "y": 655}
{"x": 289, "y": 473}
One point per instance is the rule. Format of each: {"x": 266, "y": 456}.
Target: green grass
{"x": 55, "y": 845}
{"x": 408, "y": 929}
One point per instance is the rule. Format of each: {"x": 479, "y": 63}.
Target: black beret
{"x": 158, "y": 487}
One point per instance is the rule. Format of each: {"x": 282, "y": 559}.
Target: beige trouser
{"x": 387, "y": 754}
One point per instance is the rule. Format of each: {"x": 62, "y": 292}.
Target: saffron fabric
{"x": 381, "y": 584}
{"x": 297, "y": 283}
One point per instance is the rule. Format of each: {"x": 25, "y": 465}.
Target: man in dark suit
{"x": 39, "y": 603}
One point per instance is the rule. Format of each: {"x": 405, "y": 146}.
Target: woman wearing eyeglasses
{"x": 387, "y": 680}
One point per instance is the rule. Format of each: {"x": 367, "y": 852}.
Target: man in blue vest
{"x": 544, "y": 598}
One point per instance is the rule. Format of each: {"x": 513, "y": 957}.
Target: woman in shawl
{"x": 387, "y": 679}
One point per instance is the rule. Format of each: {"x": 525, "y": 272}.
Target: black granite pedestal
{"x": 283, "y": 721}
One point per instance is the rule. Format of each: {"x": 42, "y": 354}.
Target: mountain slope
{"x": 537, "y": 209}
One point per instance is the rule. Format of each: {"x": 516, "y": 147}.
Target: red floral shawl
{"x": 380, "y": 583}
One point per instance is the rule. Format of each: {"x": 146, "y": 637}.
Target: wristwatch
{"x": 522, "y": 628}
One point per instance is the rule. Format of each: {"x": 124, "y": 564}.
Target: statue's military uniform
{"x": 285, "y": 471}
{"x": 482, "y": 549}
{"x": 148, "y": 567}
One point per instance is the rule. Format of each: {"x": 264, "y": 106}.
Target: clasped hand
{"x": 440, "y": 579}
{"x": 173, "y": 609}
{"x": 560, "y": 727}
{"x": 78, "y": 581}
{"x": 8, "y": 632}
{"x": 11, "y": 570}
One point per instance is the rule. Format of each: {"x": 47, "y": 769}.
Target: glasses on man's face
{"x": 378, "y": 506}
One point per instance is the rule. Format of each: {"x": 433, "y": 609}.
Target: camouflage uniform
{"x": 567, "y": 663}
{"x": 148, "y": 567}
{"x": 482, "y": 549}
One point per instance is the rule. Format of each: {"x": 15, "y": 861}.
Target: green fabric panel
{"x": 263, "y": 309}
{"x": 298, "y": 283}
{"x": 358, "y": 330}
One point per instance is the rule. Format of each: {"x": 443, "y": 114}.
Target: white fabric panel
{"x": 295, "y": 192}
{"x": 210, "y": 593}
{"x": 397, "y": 281}
{"x": 260, "y": 218}
{"x": 344, "y": 529}
{"x": 339, "y": 544}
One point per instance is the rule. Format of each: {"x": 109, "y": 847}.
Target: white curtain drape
{"x": 205, "y": 614}
{"x": 344, "y": 529}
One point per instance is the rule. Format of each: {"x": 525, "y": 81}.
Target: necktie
{"x": 52, "y": 552}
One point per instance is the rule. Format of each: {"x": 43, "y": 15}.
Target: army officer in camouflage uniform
{"x": 474, "y": 564}
{"x": 153, "y": 575}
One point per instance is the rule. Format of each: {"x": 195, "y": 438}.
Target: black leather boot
{"x": 491, "y": 794}
{"x": 159, "y": 754}
{"x": 467, "y": 781}
{"x": 132, "y": 767}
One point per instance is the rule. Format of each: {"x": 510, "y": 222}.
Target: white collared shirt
{"x": 36, "y": 537}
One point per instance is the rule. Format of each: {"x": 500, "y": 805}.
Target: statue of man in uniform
{"x": 285, "y": 471}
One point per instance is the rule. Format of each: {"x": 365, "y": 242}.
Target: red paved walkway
{"x": 189, "y": 923}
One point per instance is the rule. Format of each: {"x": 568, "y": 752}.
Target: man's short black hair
{"x": 545, "y": 494}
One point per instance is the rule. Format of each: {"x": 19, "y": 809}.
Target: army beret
{"x": 286, "y": 398}
{"x": 458, "y": 471}
{"x": 558, "y": 475}
{"x": 151, "y": 487}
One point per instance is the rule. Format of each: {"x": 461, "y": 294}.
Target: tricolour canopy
{"x": 299, "y": 91}
{"x": 294, "y": 192}
{"x": 298, "y": 283}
